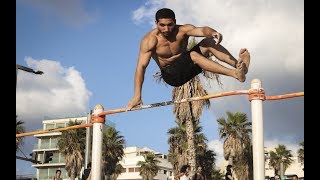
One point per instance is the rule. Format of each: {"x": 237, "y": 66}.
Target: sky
{"x": 88, "y": 52}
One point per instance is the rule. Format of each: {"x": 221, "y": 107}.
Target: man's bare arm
{"x": 203, "y": 32}
{"x": 147, "y": 45}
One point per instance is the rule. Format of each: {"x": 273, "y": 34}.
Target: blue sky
{"x": 88, "y": 52}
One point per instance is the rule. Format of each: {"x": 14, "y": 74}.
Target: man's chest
{"x": 168, "y": 48}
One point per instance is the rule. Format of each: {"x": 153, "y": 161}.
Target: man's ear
{"x": 155, "y": 22}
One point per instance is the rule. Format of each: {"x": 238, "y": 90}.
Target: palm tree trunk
{"x": 73, "y": 177}
{"x": 191, "y": 147}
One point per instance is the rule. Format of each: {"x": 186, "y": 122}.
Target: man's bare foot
{"x": 244, "y": 56}
{"x": 240, "y": 71}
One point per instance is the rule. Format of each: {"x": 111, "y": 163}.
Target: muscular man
{"x": 167, "y": 45}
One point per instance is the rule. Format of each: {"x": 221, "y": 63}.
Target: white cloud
{"x": 147, "y": 11}
{"x": 59, "y": 91}
{"x": 217, "y": 147}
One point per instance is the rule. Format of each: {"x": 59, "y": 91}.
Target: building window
{"x": 49, "y": 126}
{"x": 123, "y": 170}
{"x": 131, "y": 169}
{"x": 54, "y": 142}
{"x": 50, "y": 172}
{"x": 55, "y": 158}
{"x": 136, "y": 169}
{"x": 45, "y": 143}
{"x": 60, "y": 125}
{"x": 43, "y": 174}
{"x": 164, "y": 171}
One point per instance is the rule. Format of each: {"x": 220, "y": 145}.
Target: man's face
{"x": 166, "y": 26}
{"x": 199, "y": 169}
{"x": 188, "y": 170}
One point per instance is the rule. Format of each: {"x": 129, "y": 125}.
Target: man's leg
{"x": 208, "y": 46}
{"x": 214, "y": 67}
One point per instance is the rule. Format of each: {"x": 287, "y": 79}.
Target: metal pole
{"x": 88, "y": 141}
{"x": 257, "y": 133}
{"x": 16, "y": 76}
{"x": 98, "y": 128}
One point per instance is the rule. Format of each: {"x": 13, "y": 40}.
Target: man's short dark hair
{"x": 184, "y": 168}
{"x": 165, "y": 13}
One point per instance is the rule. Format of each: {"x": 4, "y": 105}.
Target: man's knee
{"x": 207, "y": 42}
{"x": 194, "y": 56}
{"x": 206, "y": 46}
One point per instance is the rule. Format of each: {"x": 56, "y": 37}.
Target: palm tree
{"x": 72, "y": 145}
{"x": 116, "y": 172}
{"x": 189, "y": 113}
{"x": 216, "y": 175}
{"x": 280, "y": 155}
{"x": 237, "y": 144}
{"x": 19, "y": 129}
{"x": 149, "y": 168}
{"x": 206, "y": 159}
{"x": 178, "y": 146}
{"x": 112, "y": 152}
{"x": 301, "y": 153}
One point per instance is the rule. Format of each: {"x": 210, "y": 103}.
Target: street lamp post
{"x": 31, "y": 71}
{"x": 26, "y": 69}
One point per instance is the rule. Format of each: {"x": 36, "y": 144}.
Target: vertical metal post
{"x": 88, "y": 141}
{"x": 257, "y": 130}
{"x": 16, "y": 75}
{"x": 98, "y": 128}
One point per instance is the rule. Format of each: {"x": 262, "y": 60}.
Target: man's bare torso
{"x": 168, "y": 49}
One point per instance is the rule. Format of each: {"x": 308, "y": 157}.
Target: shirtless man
{"x": 167, "y": 45}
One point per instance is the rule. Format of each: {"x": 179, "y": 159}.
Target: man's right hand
{"x": 135, "y": 101}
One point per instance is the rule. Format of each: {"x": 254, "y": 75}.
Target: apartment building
{"x": 131, "y": 170}
{"x": 47, "y": 146}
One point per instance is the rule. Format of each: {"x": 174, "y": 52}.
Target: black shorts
{"x": 181, "y": 70}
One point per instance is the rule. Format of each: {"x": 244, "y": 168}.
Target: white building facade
{"x": 131, "y": 171}
{"x": 47, "y": 143}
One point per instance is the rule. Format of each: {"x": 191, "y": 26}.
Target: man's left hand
{"x": 217, "y": 37}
